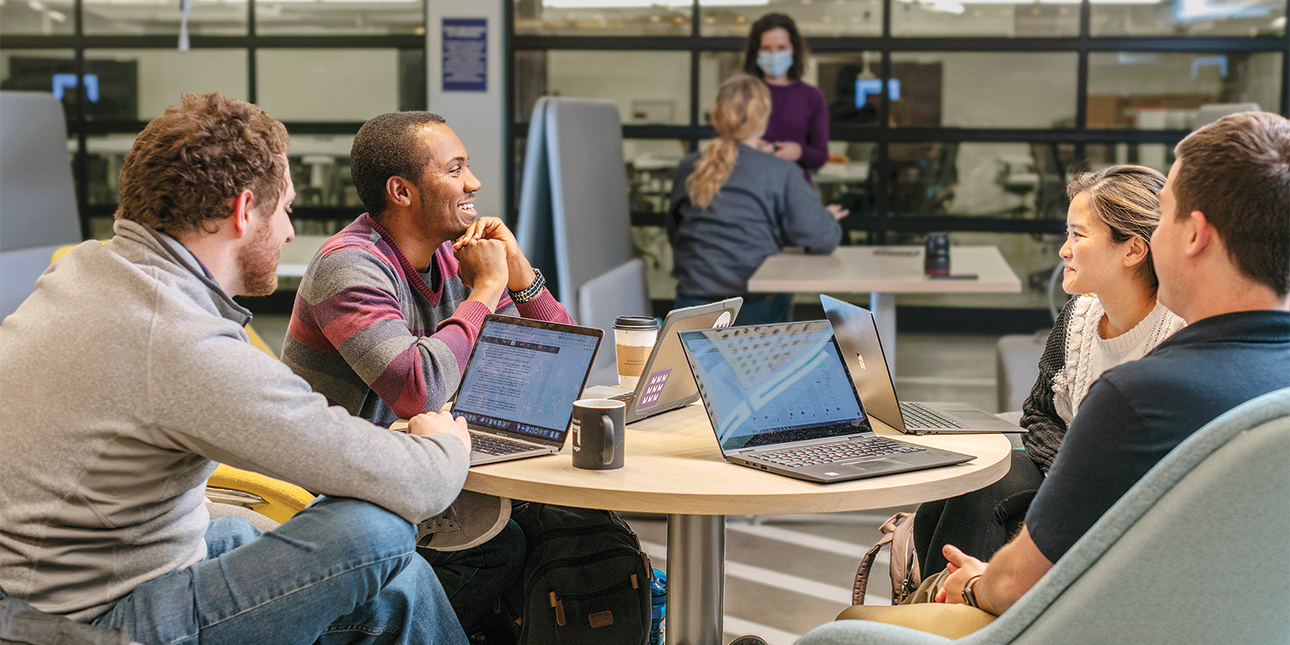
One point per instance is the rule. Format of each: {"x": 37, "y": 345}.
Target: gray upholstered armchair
{"x": 1196, "y": 552}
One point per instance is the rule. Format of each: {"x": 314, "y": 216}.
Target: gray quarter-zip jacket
{"x": 124, "y": 378}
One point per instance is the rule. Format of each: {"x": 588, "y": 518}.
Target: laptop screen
{"x": 773, "y": 384}
{"x": 523, "y": 377}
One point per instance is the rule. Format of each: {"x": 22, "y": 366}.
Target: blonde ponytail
{"x": 740, "y": 112}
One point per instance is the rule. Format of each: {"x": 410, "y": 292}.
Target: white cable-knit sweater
{"x": 1088, "y": 355}
{"x": 1073, "y": 359}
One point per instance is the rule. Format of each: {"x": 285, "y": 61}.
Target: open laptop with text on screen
{"x": 520, "y": 383}
{"x": 857, "y": 334}
{"x": 780, "y": 400}
{"x": 666, "y": 383}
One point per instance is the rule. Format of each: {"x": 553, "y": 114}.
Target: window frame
{"x": 884, "y": 221}
{"x": 81, "y": 128}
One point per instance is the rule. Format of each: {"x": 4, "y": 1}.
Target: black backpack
{"x": 586, "y": 579}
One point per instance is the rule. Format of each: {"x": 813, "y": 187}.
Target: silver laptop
{"x": 780, "y": 400}
{"x": 857, "y": 334}
{"x": 665, "y": 382}
{"x": 520, "y": 384}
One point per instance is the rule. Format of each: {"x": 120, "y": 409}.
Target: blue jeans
{"x": 758, "y": 308}
{"x": 340, "y": 571}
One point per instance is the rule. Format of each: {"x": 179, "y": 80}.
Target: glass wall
{"x": 1188, "y": 18}
{"x": 1165, "y": 91}
{"x": 966, "y": 116}
{"x": 832, "y": 18}
{"x": 984, "y": 18}
{"x": 602, "y": 17}
{"x": 155, "y": 78}
{"x": 45, "y": 18}
{"x": 375, "y": 17}
{"x": 984, "y": 89}
{"x": 313, "y": 65}
{"x": 148, "y": 17}
{"x": 653, "y": 94}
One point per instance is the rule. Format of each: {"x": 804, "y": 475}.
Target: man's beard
{"x": 258, "y": 263}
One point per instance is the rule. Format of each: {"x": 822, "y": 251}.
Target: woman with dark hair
{"x": 798, "y": 129}
{"x": 733, "y": 205}
{"x": 1114, "y": 318}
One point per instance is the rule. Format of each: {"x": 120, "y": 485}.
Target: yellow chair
{"x": 265, "y": 495}
{"x": 62, "y": 251}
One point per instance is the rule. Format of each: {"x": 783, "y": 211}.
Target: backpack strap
{"x": 866, "y": 566}
{"x": 897, "y": 531}
{"x": 905, "y": 573}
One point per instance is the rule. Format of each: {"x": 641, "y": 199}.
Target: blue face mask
{"x": 776, "y": 64}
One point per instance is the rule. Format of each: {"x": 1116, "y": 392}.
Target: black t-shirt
{"x": 1136, "y": 413}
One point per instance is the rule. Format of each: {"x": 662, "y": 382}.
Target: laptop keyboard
{"x": 490, "y": 445}
{"x": 625, "y": 397}
{"x": 917, "y": 416}
{"x": 831, "y": 452}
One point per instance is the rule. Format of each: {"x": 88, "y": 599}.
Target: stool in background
{"x": 1017, "y": 358}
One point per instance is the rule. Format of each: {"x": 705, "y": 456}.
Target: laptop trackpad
{"x": 969, "y": 415}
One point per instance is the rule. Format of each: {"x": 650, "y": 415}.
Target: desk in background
{"x": 297, "y": 254}
{"x": 674, "y": 466}
{"x": 883, "y": 271}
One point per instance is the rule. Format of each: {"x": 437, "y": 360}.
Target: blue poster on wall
{"x": 465, "y": 55}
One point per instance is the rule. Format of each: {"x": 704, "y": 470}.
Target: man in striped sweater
{"x": 389, "y": 309}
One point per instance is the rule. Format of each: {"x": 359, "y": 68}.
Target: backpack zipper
{"x": 618, "y": 551}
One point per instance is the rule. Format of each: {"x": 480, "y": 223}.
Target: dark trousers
{"x": 978, "y": 523}
{"x": 758, "y": 308}
{"x": 474, "y": 578}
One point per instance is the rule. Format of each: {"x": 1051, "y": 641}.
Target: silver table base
{"x": 696, "y": 568}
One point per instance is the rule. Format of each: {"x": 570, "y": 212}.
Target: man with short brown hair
{"x": 127, "y": 375}
{"x": 1222, "y": 254}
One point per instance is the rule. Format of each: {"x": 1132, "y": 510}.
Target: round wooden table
{"x": 674, "y": 466}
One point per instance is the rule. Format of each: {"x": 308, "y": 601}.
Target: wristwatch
{"x": 969, "y": 597}
{"x": 531, "y": 291}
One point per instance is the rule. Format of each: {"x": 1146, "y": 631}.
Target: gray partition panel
{"x": 592, "y": 220}
{"x": 622, "y": 291}
{"x": 534, "y": 228}
{"x": 39, "y": 207}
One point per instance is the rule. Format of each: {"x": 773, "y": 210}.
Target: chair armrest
{"x": 270, "y": 497}
{"x": 864, "y": 632}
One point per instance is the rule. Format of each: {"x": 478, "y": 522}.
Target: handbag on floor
{"x": 898, "y": 532}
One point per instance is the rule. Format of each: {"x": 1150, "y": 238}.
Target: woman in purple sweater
{"x": 799, "y": 118}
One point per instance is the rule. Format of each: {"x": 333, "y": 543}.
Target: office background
{"x": 990, "y": 109}
{"x": 1000, "y": 101}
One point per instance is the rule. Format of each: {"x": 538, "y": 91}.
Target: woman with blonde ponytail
{"x": 733, "y": 205}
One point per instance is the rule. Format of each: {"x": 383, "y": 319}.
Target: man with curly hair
{"x": 128, "y": 374}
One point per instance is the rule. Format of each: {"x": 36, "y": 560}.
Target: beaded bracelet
{"x": 531, "y": 291}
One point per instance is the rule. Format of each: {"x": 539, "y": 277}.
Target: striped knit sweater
{"x": 1074, "y": 357}
{"x": 380, "y": 339}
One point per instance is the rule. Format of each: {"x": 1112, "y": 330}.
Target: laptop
{"x": 666, "y": 383}
{"x": 780, "y": 400}
{"x": 857, "y": 334}
{"x": 520, "y": 384}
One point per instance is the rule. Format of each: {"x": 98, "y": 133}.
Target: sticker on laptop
{"x": 653, "y": 389}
